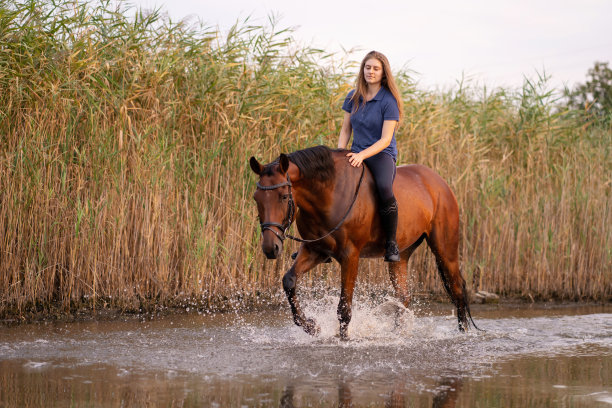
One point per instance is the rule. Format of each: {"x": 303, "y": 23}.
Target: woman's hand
{"x": 355, "y": 159}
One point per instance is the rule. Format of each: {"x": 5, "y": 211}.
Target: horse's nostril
{"x": 276, "y": 249}
{"x": 270, "y": 255}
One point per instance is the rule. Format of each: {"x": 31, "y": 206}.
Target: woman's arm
{"x": 385, "y": 139}
{"x": 345, "y": 132}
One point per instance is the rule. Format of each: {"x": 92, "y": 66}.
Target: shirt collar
{"x": 379, "y": 95}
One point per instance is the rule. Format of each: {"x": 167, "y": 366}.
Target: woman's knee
{"x": 385, "y": 194}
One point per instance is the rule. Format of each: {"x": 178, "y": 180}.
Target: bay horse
{"x": 337, "y": 217}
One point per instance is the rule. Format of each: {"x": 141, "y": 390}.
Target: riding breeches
{"x": 382, "y": 167}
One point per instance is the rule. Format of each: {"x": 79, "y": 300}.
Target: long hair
{"x": 387, "y": 81}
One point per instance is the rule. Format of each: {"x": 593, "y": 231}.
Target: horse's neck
{"x": 324, "y": 202}
{"x": 314, "y": 199}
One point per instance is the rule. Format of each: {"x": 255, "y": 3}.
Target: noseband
{"x": 288, "y": 217}
{"x": 291, "y": 213}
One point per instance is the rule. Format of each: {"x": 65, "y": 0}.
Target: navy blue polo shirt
{"x": 367, "y": 121}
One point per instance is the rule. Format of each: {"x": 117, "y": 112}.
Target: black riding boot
{"x": 388, "y": 220}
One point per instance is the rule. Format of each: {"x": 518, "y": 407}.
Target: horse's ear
{"x": 255, "y": 166}
{"x": 283, "y": 163}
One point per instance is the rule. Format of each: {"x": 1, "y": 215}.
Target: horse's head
{"x": 275, "y": 206}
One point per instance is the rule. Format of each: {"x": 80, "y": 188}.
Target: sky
{"x": 487, "y": 42}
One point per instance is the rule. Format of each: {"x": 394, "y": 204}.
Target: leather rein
{"x": 289, "y": 217}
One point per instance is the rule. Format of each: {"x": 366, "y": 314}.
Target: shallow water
{"x": 528, "y": 356}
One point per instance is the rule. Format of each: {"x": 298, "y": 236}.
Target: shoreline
{"x": 433, "y": 303}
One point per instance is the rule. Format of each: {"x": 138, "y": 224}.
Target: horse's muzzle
{"x": 272, "y": 249}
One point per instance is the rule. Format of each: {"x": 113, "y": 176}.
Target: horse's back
{"x": 421, "y": 180}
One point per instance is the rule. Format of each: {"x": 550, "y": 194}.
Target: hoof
{"x": 311, "y": 327}
{"x": 343, "y": 333}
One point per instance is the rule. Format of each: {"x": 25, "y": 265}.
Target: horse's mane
{"x": 315, "y": 163}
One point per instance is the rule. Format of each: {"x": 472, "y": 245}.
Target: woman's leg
{"x": 383, "y": 169}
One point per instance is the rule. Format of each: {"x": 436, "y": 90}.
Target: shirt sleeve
{"x": 347, "y": 106}
{"x": 390, "y": 109}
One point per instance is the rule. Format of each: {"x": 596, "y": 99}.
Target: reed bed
{"x": 124, "y": 179}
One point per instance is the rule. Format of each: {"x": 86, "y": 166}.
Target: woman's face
{"x": 373, "y": 71}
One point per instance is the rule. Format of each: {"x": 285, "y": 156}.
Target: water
{"x": 528, "y": 356}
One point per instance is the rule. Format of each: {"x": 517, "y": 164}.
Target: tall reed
{"x": 124, "y": 176}
{"x": 533, "y": 181}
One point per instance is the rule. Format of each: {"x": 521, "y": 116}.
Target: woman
{"x": 372, "y": 113}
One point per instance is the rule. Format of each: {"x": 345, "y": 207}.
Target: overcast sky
{"x": 496, "y": 42}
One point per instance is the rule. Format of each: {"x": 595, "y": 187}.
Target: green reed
{"x": 124, "y": 178}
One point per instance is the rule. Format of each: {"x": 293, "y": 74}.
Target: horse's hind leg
{"x": 444, "y": 243}
{"x": 399, "y": 280}
{"x": 399, "y": 274}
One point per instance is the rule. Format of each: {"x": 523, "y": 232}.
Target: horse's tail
{"x": 467, "y": 311}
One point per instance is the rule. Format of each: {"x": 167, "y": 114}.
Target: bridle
{"x": 291, "y": 213}
{"x": 288, "y": 217}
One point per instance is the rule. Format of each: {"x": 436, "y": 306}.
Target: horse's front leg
{"x": 349, "y": 268}
{"x": 304, "y": 261}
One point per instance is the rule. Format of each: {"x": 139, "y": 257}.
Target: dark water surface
{"x": 528, "y": 356}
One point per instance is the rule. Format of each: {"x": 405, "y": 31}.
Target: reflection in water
{"x": 527, "y": 381}
{"x": 524, "y": 359}
{"x": 579, "y": 381}
{"x": 287, "y": 398}
{"x": 445, "y": 395}
{"x": 345, "y": 399}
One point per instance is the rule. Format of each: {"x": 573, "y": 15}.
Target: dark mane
{"x": 315, "y": 163}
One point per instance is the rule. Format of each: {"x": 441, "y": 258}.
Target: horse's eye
{"x": 285, "y": 197}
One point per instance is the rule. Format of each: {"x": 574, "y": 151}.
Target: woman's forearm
{"x": 355, "y": 159}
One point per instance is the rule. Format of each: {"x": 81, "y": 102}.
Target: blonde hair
{"x": 387, "y": 81}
